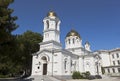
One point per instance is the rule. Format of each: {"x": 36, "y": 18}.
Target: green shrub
{"x": 76, "y": 75}
{"x": 84, "y": 75}
{"x": 87, "y": 74}
{"x": 3, "y": 76}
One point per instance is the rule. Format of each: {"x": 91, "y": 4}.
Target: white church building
{"x": 52, "y": 59}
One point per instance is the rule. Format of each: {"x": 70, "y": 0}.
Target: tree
{"x": 28, "y": 44}
{"x": 7, "y": 40}
{"x": 15, "y": 50}
{"x": 7, "y": 22}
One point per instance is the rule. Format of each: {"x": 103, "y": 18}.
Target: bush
{"x": 91, "y": 77}
{"x": 76, "y": 75}
{"x": 98, "y": 77}
{"x": 3, "y": 76}
{"x": 86, "y": 74}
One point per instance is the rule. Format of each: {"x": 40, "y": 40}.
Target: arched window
{"x": 44, "y": 58}
{"x": 73, "y": 40}
{"x": 113, "y": 70}
{"x": 65, "y": 64}
{"x": 47, "y": 24}
{"x": 71, "y": 63}
{"x": 69, "y": 41}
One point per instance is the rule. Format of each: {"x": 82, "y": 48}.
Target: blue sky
{"x": 97, "y": 21}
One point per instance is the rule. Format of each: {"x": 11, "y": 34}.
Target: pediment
{"x": 44, "y": 51}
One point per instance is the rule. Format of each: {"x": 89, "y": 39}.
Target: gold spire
{"x": 51, "y": 14}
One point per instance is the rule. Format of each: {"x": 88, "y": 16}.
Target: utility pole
{"x": 52, "y": 61}
{"x": 83, "y": 60}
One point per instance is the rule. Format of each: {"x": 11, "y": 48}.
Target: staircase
{"x": 42, "y": 78}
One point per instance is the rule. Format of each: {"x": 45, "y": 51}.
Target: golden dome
{"x": 51, "y": 14}
{"x": 73, "y": 33}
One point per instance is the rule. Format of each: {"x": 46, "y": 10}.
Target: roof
{"x": 73, "y": 33}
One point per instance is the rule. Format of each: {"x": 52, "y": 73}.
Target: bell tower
{"x": 51, "y": 27}
{"x": 51, "y": 32}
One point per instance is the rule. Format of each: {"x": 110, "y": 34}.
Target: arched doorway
{"x": 44, "y": 59}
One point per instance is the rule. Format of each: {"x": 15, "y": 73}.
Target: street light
{"x": 97, "y": 64}
{"x": 97, "y": 68}
{"x": 52, "y": 61}
{"x": 83, "y": 59}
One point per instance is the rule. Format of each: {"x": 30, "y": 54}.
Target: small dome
{"x": 73, "y": 33}
{"x": 87, "y": 43}
{"x": 51, "y": 14}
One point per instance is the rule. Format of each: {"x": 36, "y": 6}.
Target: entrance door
{"x": 44, "y": 69}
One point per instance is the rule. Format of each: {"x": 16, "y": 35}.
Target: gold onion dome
{"x": 51, "y": 14}
{"x": 73, "y": 33}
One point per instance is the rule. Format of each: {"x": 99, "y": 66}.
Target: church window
{"x": 117, "y": 55}
{"x": 47, "y": 24}
{"x": 108, "y": 70}
{"x": 76, "y": 37}
{"x": 118, "y": 62}
{"x": 118, "y": 70}
{"x": 44, "y": 58}
{"x": 73, "y": 40}
{"x": 69, "y": 41}
{"x": 112, "y": 55}
{"x": 113, "y": 70}
{"x": 113, "y": 62}
{"x": 65, "y": 65}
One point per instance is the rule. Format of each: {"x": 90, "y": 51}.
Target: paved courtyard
{"x": 104, "y": 79}
{"x": 48, "y": 78}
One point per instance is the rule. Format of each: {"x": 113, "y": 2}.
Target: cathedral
{"x": 52, "y": 59}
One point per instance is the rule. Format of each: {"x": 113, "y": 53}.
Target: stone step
{"x": 42, "y": 78}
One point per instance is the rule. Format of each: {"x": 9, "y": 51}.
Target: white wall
{"x": 105, "y": 59}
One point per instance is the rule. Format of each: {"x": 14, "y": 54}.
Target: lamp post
{"x": 97, "y": 65}
{"x": 97, "y": 68}
{"x": 52, "y": 61}
{"x": 83, "y": 60}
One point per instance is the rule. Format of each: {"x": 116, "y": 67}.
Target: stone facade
{"x": 110, "y": 61}
{"x": 52, "y": 59}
